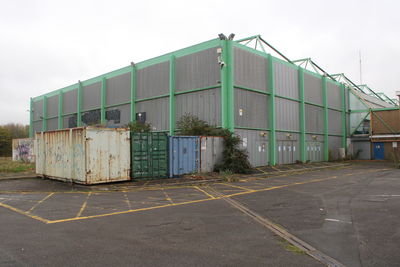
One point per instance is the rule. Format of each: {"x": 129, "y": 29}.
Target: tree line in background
{"x": 8, "y": 132}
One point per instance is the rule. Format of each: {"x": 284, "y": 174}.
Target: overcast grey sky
{"x": 47, "y": 45}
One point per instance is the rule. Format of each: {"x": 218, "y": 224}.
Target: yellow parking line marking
{"x": 236, "y": 186}
{"x": 40, "y": 202}
{"x": 167, "y": 197}
{"x": 129, "y": 211}
{"x": 205, "y": 192}
{"x": 172, "y": 204}
{"x": 24, "y": 213}
{"x": 83, "y": 205}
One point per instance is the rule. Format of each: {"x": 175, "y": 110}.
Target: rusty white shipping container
{"x": 85, "y": 155}
{"x": 211, "y": 149}
{"x": 23, "y": 150}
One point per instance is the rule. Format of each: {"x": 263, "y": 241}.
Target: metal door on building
{"x": 149, "y": 155}
{"x": 379, "y": 151}
{"x": 286, "y": 151}
{"x": 314, "y": 151}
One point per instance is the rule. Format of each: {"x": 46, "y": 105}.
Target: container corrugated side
{"x": 183, "y": 155}
{"x": 84, "y": 155}
{"x": 211, "y": 149}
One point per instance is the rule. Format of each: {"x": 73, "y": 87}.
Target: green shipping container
{"x": 149, "y": 157}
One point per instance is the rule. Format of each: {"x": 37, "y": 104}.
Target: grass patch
{"x": 9, "y": 166}
{"x": 289, "y": 247}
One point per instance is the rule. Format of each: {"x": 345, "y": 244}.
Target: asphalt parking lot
{"x": 350, "y": 213}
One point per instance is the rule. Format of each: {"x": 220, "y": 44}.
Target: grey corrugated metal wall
{"x": 250, "y": 109}
{"x": 335, "y": 142}
{"x": 334, "y": 95}
{"x": 157, "y": 112}
{"x": 314, "y": 119}
{"x": 69, "y": 102}
{"x": 286, "y": 80}
{"x": 315, "y": 147}
{"x": 52, "y": 124}
{"x": 52, "y": 106}
{"x": 204, "y": 104}
{"x": 288, "y": 147}
{"x": 287, "y": 114}
{"x": 312, "y": 89}
{"x": 118, "y": 89}
{"x": 198, "y": 70}
{"x": 362, "y": 148}
{"x": 335, "y": 122}
{"x": 38, "y": 110}
{"x": 256, "y": 144}
{"x": 250, "y": 70}
{"x": 37, "y": 126}
{"x": 91, "y": 95}
{"x": 153, "y": 81}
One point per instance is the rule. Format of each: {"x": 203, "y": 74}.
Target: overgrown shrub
{"x": 139, "y": 127}
{"x": 234, "y": 159}
{"x": 192, "y": 125}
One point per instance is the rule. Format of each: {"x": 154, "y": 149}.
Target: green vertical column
{"x": 31, "y": 118}
{"x": 133, "y": 92}
{"x": 60, "y": 109}
{"x": 344, "y": 123}
{"x": 302, "y": 111}
{"x": 79, "y": 105}
{"x": 103, "y": 99}
{"x": 44, "y": 116}
{"x": 326, "y": 118}
{"x": 172, "y": 95}
{"x": 227, "y": 93}
{"x": 271, "y": 111}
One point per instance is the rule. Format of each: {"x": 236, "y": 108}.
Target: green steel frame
{"x": 172, "y": 95}
{"x": 79, "y": 105}
{"x": 302, "y": 111}
{"x": 226, "y": 86}
{"x": 271, "y": 111}
{"x": 326, "y": 118}
{"x": 44, "y": 115}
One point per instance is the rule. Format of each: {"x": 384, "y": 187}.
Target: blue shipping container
{"x": 184, "y": 155}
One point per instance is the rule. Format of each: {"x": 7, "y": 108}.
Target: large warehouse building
{"x": 283, "y": 111}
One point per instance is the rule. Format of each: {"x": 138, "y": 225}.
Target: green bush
{"x": 234, "y": 159}
{"x": 139, "y": 127}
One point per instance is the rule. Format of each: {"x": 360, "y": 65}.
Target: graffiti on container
{"x": 24, "y": 151}
{"x": 114, "y": 114}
